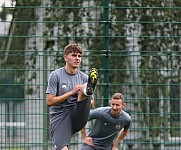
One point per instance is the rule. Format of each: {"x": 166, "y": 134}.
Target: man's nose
{"x": 114, "y": 107}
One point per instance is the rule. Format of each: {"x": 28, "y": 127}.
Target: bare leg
{"x": 65, "y": 148}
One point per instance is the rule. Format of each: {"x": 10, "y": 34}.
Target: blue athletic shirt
{"x": 107, "y": 126}
{"x": 59, "y": 83}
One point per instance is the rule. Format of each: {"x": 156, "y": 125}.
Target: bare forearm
{"x": 83, "y": 133}
{"x": 120, "y": 137}
{"x": 86, "y": 139}
{"x": 54, "y": 100}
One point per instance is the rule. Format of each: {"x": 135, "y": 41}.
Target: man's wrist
{"x": 114, "y": 145}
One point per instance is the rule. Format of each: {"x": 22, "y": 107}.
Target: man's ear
{"x": 124, "y": 104}
{"x": 65, "y": 57}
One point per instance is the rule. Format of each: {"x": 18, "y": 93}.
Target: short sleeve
{"x": 52, "y": 84}
{"x": 128, "y": 124}
{"x": 95, "y": 114}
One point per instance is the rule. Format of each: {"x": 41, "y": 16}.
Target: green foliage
{"x": 68, "y": 18}
{"x": 12, "y": 80}
{"x": 74, "y": 22}
{"x": 158, "y": 46}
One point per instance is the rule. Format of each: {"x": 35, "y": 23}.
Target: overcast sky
{"x": 4, "y": 26}
{"x": 7, "y": 3}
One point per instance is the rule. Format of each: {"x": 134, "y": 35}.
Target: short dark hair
{"x": 73, "y": 48}
{"x": 118, "y": 96}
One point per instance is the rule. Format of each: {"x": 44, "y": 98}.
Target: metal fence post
{"x": 106, "y": 51}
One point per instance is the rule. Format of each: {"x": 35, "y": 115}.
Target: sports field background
{"x": 134, "y": 44}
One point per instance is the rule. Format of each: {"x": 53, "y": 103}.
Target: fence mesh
{"x": 134, "y": 44}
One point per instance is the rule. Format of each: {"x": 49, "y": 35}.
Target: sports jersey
{"x": 107, "y": 126}
{"x": 59, "y": 83}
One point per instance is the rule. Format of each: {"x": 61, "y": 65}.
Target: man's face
{"x": 116, "y": 106}
{"x": 73, "y": 60}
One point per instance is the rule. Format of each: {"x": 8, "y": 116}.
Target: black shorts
{"x": 73, "y": 120}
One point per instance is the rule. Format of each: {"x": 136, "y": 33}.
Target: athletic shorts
{"x": 87, "y": 147}
{"x": 90, "y": 147}
{"x": 73, "y": 120}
